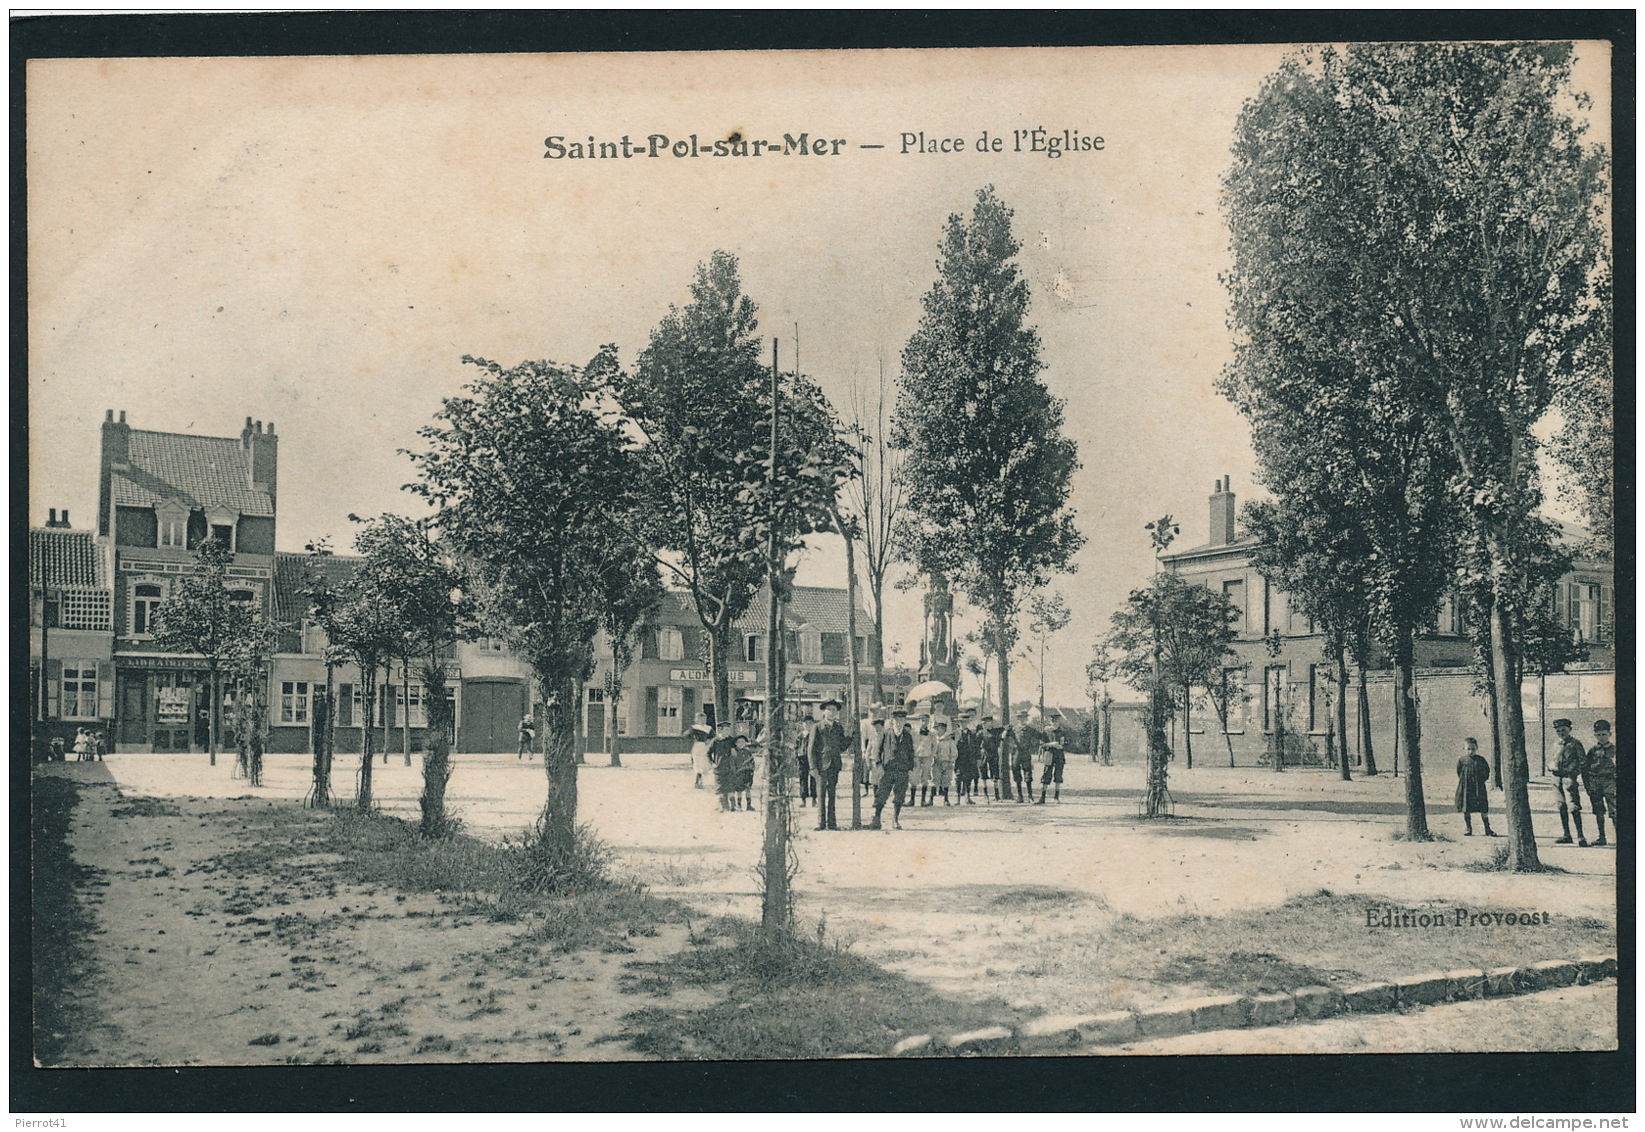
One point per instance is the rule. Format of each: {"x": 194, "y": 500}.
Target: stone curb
{"x": 1068, "y": 1033}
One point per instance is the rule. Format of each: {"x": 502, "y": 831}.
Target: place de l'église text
{"x": 1037, "y": 141}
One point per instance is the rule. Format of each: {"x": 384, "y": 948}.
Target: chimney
{"x": 1222, "y": 512}
{"x": 262, "y": 456}
{"x": 115, "y": 456}
{"x": 65, "y": 518}
{"x": 51, "y": 517}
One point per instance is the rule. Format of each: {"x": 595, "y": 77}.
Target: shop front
{"x": 162, "y": 705}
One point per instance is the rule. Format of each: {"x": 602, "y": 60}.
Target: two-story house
{"x": 71, "y": 638}
{"x": 1279, "y": 664}
{"x": 160, "y": 495}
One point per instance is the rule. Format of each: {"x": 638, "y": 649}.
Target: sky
{"x": 316, "y": 242}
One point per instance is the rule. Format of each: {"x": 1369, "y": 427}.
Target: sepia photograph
{"x": 740, "y": 556}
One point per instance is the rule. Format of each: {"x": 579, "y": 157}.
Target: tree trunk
{"x": 1340, "y": 714}
{"x": 1409, "y": 724}
{"x": 776, "y": 907}
{"x": 557, "y": 824}
{"x": 257, "y": 701}
{"x": 405, "y": 713}
{"x": 854, "y": 698}
{"x": 1368, "y": 747}
{"x": 1107, "y": 730}
{"x": 1004, "y": 663}
{"x": 879, "y": 642}
{"x": 1494, "y": 712}
{"x": 436, "y": 752}
{"x": 1157, "y": 801}
{"x": 368, "y": 720}
{"x": 320, "y": 792}
{"x": 719, "y": 647}
{"x": 1187, "y": 726}
{"x": 611, "y": 726}
{"x": 214, "y": 688}
{"x": 1517, "y": 771}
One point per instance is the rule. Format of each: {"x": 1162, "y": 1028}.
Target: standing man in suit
{"x": 899, "y": 763}
{"x": 829, "y": 742}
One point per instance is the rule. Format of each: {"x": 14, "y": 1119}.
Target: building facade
{"x": 1279, "y": 664}
{"x": 71, "y": 634}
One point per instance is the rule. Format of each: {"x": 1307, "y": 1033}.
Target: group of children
{"x": 901, "y": 765}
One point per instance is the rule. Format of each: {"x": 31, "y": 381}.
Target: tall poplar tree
{"x": 988, "y": 469}
{"x": 1426, "y": 221}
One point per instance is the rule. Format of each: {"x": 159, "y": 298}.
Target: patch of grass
{"x": 792, "y": 999}
{"x": 436, "y": 1043}
{"x": 61, "y": 929}
{"x": 1501, "y": 860}
{"x": 1319, "y": 938}
{"x": 265, "y": 1040}
{"x": 147, "y": 808}
{"x": 1036, "y": 896}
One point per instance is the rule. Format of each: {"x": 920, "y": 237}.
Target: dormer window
{"x": 173, "y": 525}
{"x": 220, "y": 525}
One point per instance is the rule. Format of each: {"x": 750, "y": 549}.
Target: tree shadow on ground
{"x": 1347, "y": 806}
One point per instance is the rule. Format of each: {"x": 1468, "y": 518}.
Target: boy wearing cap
{"x": 925, "y": 758}
{"x": 1024, "y": 742}
{"x": 992, "y": 740}
{"x": 1600, "y": 778}
{"x": 947, "y": 753}
{"x": 1569, "y": 763}
{"x": 1052, "y": 762}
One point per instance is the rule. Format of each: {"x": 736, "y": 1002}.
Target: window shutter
{"x": 105, "y": 691}
{"x": 1602, "y": 612}
{"x": 54, "y": 686}
{"x": 391, "y": 693}
{"x": 650, "y": 711}
{"x": 688, "y": 712}
{"x": 648, "y": 643}
{"x": 345, "y": 705}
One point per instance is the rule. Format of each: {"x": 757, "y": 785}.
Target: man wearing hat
{"x": 894, "y": 773}
{"x": 967, "y": 750}
{"x": 1601, "y": 778}
{"x": 829, "y": 743}
{"x": 1569, "y": 764}
{"x": 1052, "y": 762}
{"x": 991, "y": 740}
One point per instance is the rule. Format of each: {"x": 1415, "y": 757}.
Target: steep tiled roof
{"x": 63, "y": 558}
{"x": 820, "y": 608}
{"x": 290, "y": 576}
{"x": 199, "y": 470}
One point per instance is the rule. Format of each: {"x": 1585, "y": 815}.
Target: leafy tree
{"x": 633, "y": 591}
{"x": 698, "y": 397}
{"x": 323, "y": 576}
{"x": 365, "y": 628}
{"x": 1334, "y": 412}
{"x": 428, "y": 589}
{"x": 202, "y": 616}
{"x": 1101, "y": 671}
{"x": 1585, "y": 445}
{"x": 1048, "y": 614}
{"x": 1172, "y": 637}
{"x": 1434, "y": 209}
{"x": 987, "y": 469}
{"x": 536, "y": 486}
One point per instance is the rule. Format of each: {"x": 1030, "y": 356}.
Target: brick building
{"x": 1294, "y": 689}
{"x": 71, "y": 632}
{"x": 160, "y": 495}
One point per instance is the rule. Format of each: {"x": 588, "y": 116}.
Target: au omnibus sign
{"x": 688, "y": 675}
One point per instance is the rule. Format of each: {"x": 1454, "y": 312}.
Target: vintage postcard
{"x": 1223, "y": 661}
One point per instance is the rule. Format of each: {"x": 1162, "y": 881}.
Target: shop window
{"x": 294, "y": 701}
{"x": 670, "y": 702}
{"x": 146, "y": 598}
{"x": 78, "y": 690}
